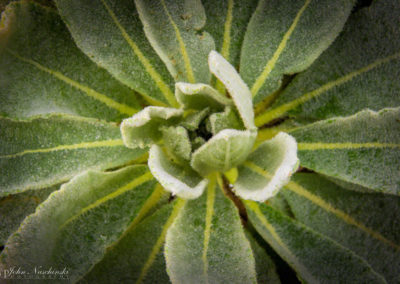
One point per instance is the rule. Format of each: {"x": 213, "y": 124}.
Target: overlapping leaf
{"x": 285, "y": 37}
{"x": 76, "y": 224}
{"x": 267, "y": 169}
{"x": 43, "y": 151}
{"x": 360, "y": 70}
{"x": 42, "y": 71}
{"x": 315, "y": 258}
{"x": 365, "y": 223}
{"x": 14, "y": 209}
{"x": 362, "y": 149}
{"x": 206, "y": 243}
{"x": 174, "y": 29}
{"x": 137, "y": 257}
{"x": 111, "y": 34}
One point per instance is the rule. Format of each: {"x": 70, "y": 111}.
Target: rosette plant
{"x": 192, "y": 141}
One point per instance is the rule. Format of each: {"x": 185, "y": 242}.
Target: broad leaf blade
{"x": 370, "y": 76}
{"x": 111, "y": 34}
{"x": 14, "y": 208}
{"x": 42, "y": 71}
{"x": 138, "y": 256}
{"x": 143, "y": 129}
{"x": 268, "y": 168}
{"x": 174, "y": 30}
{"x": 206, "y": 243}
{"x": 285, "y": 37}
{"x": 365, "y": 223}
{"x": 108, "y": 204}
{"x": 315, "y": 258}
{"x": 363, "y": 149}
{"x": 265, "y": 267}
{"x": 179, "y": 180}
{"x": 227, "y": 22}
{"x": 223, "y": 151}
{"x": 47, "y": 150}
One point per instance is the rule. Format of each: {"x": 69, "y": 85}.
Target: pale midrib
{"x": 127, "y": 187}
{"x": 280, "y": 110}
{"x": 225, "y": 50}
{"x": 122, "y": 108}
{"x": 78, "y": 146}
{"x": 207, "y": 229}
{"x": 185, "y": 56}
{"x": 157, "y": 78}
{"x": 281, "y": 47}
{"x": 274, "y": 234}
{"x": 298, "y": 189}
{"x": 346, "y": 145}
{"x": 157, "y": 247}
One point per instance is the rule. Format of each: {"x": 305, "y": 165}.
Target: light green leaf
{"x": 225, "y": 120}
{"x": 200, "y": 96}
{"x": 143, "y": 129}
{"x": 362, "y": 149}
{"x": 44, "y": 151}
{"x": 206, "y": 243}
{"x": 237, "y": 89}
{"x": 14, "y": 209}
{"x": 137, "y": 257}
{"x": 66, "y": 233}
{"x": 370, "y": 76}
{"x": 42, "y": 71}
{"x": 364, "y": 223}
{"x": 174, "y": 29}
{"x": 226, "y": 22}
{"x": 223, "y": 151}
{"x": 265, "y": 267}
{"x": 177, "y": 143}
{"x": 111, "y": 34}
{"x": 285, "y": 37}
{"x": 193, "y": 119}
{"x": 180, "y": 180}
{"x": 315, "y": 258}
{"x": 268, "y": 168}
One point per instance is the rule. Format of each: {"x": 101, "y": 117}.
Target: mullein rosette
{"x": 211, "y": 133}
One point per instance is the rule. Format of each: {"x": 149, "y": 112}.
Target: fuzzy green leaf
{"x": 363, "y": 149}
{"x": 44, "y": 151}
{"x": 177, "y": 143}
{"x": 226, "y": 22}
{"x": 174, "y": 30}
{"x": 42, "y": 71}
{"x": 237, "y": 89}
{"x": 225, "y": 120}
{"x": 285, "y": 37}
{"x": 223, "y": 151}
{"x": 206, "y": 243}
{"x": 268, "y": 168}
{"x": 358, "y": 221}
{"x": 137, "y": 257}
{"x": 193, "y": 119}
{"x": 143, "y": 129}
{"x": 200, "y": 96}
{"x": 315, "y": 258}
{"x": 108, "y": 204}
{"x": 111, "y": 34}
{"x": 180, "y": 180}
{"x": 265, "y": 267}
{"x": 14, "y": 208}
{"x": 360, "y": 70}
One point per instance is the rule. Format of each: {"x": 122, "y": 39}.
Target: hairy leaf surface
{"x": 44, "y": 151}
{"x": 363, "y": 149}
{"x": 42, "y": 71}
